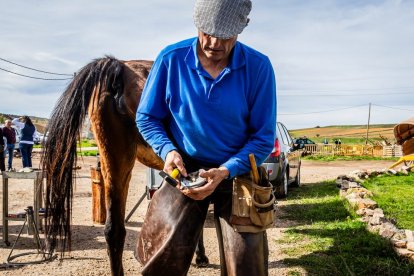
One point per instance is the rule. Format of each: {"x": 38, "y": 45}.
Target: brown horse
{"x": 108, "y": 90}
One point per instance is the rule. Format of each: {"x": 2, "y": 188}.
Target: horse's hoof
{"x": 202, "y": 261}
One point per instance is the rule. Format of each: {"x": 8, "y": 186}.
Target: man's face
{"x": 215, "y": 48}
{"x": 8, "y": 124}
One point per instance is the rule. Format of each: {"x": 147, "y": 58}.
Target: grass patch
{"x": 88, "y": 153}
{"x": 344, "y": 140}
{"x": 85, "y": 143}
{"x": 395, "y": 195}
{"x": 330, "y": 240}
{"x": 346, "y": 158}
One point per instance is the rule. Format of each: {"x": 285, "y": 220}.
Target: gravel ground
{"x": 88, "y": 255}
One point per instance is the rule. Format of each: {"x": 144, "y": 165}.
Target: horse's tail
{"x": 64, "y": 131}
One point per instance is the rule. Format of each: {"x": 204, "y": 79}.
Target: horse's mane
{"x": 64, "y": 131}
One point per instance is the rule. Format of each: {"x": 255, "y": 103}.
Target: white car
{"x": 37, "y": 139}
{"x": 42, "y": 137}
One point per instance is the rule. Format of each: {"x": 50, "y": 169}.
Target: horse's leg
{"x": 201, "y": 258}
{"x": 117, "y": 147}
{"x": 116, "y": 194}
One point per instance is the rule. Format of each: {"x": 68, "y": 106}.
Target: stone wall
{"x": 360, "y": 200}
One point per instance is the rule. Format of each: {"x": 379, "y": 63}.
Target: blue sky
{"x": 331, "y": 58}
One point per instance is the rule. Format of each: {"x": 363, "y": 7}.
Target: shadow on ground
{"x": 83, "y": 237}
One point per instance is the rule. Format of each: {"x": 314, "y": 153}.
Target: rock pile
{"x": 359, "y": 199}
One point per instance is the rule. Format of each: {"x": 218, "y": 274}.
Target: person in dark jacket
{"x": 27, "y": 140}
{"x": 10, "y": 135}
{"x": 2, "y": 149}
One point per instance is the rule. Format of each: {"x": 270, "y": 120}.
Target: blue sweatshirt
{"x": 214, "y": 121}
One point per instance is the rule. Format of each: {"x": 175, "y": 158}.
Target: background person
{"x": 27, "y": 140}
{"x": 10, "y": 135}
{"x": 208, "y": 102}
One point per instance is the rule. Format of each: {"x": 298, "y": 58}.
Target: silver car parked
{"x": 283, "y": 164}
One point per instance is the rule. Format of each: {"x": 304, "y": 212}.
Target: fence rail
{"x": 354, "y": 150}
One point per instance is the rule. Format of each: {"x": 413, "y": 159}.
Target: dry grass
{"x": 357, "y": 131}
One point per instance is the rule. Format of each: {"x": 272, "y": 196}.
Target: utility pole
{"x": 369, "y": 115}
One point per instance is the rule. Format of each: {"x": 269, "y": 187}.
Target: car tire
{"x": 297, "y": 182}
{"x": 281, "y": 188}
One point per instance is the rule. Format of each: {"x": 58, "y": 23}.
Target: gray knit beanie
{"x": 222, "y": 18}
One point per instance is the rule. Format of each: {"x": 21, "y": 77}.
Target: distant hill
{"x": 348, "y": 133}
{"x": 39, "y": 122}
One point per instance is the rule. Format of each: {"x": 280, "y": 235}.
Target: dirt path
{"x": 88, "y": 256}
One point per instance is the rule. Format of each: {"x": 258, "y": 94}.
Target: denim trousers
{"x": 26, "y": 151}
{"x": 10, "y": 149}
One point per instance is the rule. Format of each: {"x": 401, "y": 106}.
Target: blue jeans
{"x": 10, "y": 149}
{"x": 26, "y": 151}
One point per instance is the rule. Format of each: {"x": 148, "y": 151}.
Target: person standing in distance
{"x": 27, "y": 140}
{"x": 208, "y": 102}
{"x": 10, "y": 135}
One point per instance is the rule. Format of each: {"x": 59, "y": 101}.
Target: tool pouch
{"x": 253, "y": 206}
{"x": 408, "y": 147}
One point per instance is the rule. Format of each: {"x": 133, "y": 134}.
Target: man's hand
{"x": 174, "y": 160}
{"x": 213, "y": 177}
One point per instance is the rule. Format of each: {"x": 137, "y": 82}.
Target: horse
{"x": 108, "y": 91}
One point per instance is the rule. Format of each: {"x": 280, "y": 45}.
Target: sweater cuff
{"x": 165, "y": 150}
{"x": 233, "y": 168}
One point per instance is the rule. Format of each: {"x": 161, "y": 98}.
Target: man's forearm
{"x": 152, "y": 130}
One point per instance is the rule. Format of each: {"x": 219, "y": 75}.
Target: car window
{"x": 288, "y": 138}
{"x": 280, "y": 134}
{"x": 285, "y": 138}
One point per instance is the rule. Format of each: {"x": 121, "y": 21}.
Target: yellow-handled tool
{"x": 175, "y": 173}
{"x": 171, "y": 179}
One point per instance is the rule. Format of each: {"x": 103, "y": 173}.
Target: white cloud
{"x": 317, "y": 47}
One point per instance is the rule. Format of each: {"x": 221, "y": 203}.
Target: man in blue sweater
{"x": 208, "y": 102}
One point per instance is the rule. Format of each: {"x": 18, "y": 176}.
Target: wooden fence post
{"x": 98, "y": 196}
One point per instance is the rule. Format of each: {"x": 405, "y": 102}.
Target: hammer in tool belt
{"x": 255, "y": 172}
